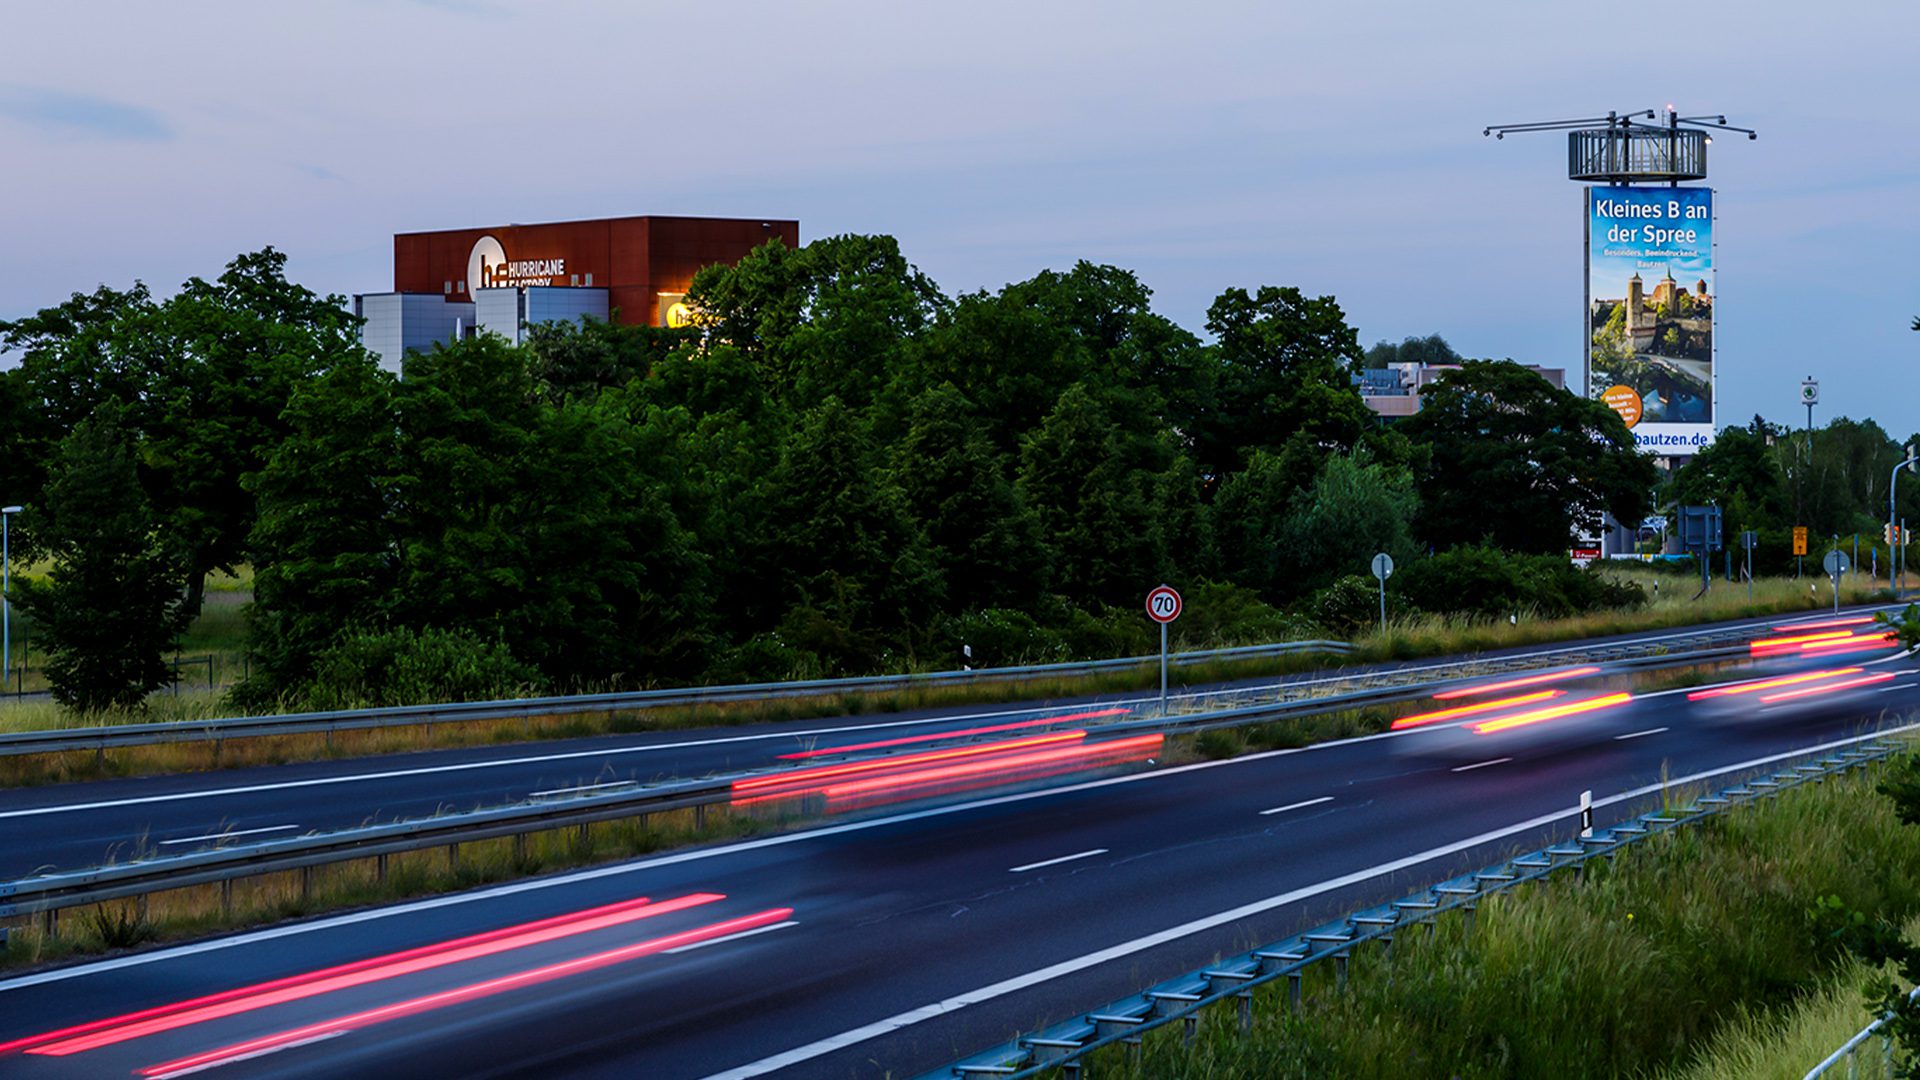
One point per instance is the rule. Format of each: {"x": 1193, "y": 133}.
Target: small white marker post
{"x": 1163, "y": 606}
{"x": 1586, "y": 814}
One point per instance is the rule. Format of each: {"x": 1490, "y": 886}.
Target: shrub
{"x": 1487, "y": 581}
{"x": 1220, "y": 614}
{"x": 410, "y": 667}
{"x": 1352, "y": 604}
{"x": 1000, "y": 637}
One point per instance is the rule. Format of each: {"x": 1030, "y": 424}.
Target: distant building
{"x": 456, "y": 282}
{"x": 1395, "y": 390}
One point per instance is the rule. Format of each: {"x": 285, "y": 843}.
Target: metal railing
{"x": 1065, "y": 1046}
{"x": 49, "y": 893}
{"x": 1642, "y": 649}
{"x": 1849, "y": 1051}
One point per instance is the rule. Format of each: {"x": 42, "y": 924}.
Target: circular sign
{"x": 1810, "y": 392}
{"x": 1624, "y": 400}
{"x": 1836, "y": 563}
{"x": 486, "y": 263}
{"x": 1383, "y": 566}
{"x": 1163, "y": 604}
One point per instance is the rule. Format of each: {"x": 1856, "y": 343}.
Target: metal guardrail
{"x": 110, "y": 736}
{"x": 1066, "y": 1046}
{"x": 49, "y": 893}
{"x": 1849, "y": 1051}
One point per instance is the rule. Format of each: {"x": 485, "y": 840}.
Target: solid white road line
{"x": 1296, "y": 806}
{"x": 582, "y": 787}
{"x": 189, "y": 1070}
{"x": 1056, "y": 862}
{"x": 700, "y": 854}
{"x": 1481, "y": 764}
{"x": 226, "y": 835}
{"x": 1897, "y": 686}
{"x": 1637, "y": 734}
{"x": 731, "y": 937}
{"x": 1127, "y": 948}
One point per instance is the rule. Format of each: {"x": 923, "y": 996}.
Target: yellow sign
{"x": 1625, "y": 401}
{"x": 1799, "y": 539}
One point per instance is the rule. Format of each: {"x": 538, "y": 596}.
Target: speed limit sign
{"x": 1163, "y": 605}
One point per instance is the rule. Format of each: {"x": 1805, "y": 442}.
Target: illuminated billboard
{"x": 1650, "y": 300}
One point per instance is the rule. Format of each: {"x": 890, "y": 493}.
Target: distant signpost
{"x": 1383, "y": 569}
{"x": 1163, "y": 606}
{"x": 1835, "y": 564}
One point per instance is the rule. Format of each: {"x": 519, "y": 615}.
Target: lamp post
{"x": 1894, "y": 526}
{"x": 6, "y": 596}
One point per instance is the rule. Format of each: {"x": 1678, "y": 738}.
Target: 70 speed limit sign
{"x": 1163, "y": 605}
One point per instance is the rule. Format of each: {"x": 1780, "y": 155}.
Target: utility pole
{"x": 1893, "y": 536}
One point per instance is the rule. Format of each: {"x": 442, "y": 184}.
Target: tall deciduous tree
{"x": 1515, "y": 460}
{"x": 111, "y": 607}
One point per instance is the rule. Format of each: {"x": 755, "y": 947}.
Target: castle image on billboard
{"x": 1658, "y": 343}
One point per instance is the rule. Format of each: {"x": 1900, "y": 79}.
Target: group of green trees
{"x": 1768, "y": 478}
{"x": 839, "y": 469}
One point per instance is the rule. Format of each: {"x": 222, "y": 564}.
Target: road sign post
{"x": 1748, "y": 538}
{"x": 1835, "y": 564}
{"x": 1163, "y": 606}
{"x": 1383, "y": 569}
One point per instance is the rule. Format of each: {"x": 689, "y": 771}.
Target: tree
{"x": 1518, "y": 462}
{"x": 111, "y": 607}
{"x": 1285, "y": 367}
{"x": 1432, "y": 349}
{"x": 1740, "y": 473}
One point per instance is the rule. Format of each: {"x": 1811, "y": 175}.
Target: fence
{"x": 1849, "y": 1051}
{"x": 1065, "y": 1047}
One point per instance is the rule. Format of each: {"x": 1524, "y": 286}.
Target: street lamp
{"x": 6, "y": 596}
{"x": 1894, "y": 528}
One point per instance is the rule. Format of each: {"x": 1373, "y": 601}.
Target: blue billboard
{"x": 1650, "y": 296}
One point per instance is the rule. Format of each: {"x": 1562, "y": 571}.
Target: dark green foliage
{"x": 1432, "y": 349}
{"x": 408, "y": 667}
{"x": 1513, "y": 461}
{"x": 110, "y": 609}
{"x": 1352, "y": 604}
{"x": 1486, "y": 581}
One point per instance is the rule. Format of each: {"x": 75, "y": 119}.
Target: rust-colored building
{"x": 451, "y": 282}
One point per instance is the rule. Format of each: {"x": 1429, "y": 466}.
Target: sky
{"x": 1333, "y": 147}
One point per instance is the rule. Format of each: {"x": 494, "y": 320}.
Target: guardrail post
{"x": 520, "y": 849}
{"x": 1293, "y": 991}
{"x": 380, "y": 868}
{"x": 306, "y": 884}
{"x": 50, "y": 923}
{"x": 580, "y": 837}
{"x": 453, "y": 858}
{"x": 699, "y": 817}
{"x": 226, "y": 898}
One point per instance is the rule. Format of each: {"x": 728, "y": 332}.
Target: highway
{"x": 892, "y": 944}
{"x": 66, "y": 826}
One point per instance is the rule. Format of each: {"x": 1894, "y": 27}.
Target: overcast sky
{"x": 1332, "y": 146}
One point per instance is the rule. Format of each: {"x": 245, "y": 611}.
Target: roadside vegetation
{"x": 1725, "y": 948}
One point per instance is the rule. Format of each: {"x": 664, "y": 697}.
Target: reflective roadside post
{"x": 6, "y": 599}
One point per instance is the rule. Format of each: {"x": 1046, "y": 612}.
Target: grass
{"x": 1655, "y": 961}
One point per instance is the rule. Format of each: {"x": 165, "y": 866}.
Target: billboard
{"x": 1650, "y": 297}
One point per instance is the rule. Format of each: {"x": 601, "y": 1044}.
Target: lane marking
{"x": 1296, "y": 806}
{"x": 1481, "y": 764}
{"x": 1056, "y": 862}
{"x": 1017, "y": 983}
{"x": 1897, "y": 686}
{"x": 701, "y": 854}
{"x": 1637, "y": 734}
{"x": 191, "y": 1069}
{"x": 732, "y": 937}
{"x": 495, "y": 763}
{"x": 226, "y": 835}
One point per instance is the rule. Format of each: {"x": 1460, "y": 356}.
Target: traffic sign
{"x": 1163, "y": 605}
{"x": 1799, "y": 539}
{"x": 1383, "y": 566}
{"x": 1836, "y": 563}
{"x": 1810, "y": 391}
{"x": 1749, "y": 539}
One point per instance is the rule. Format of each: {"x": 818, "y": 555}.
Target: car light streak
{"x": 1458, "y": 711}
{"x": 1810, "y": 691}
{"x": 1763, "y": 644}
{"x": 413, "y": 1006}
{"x": 1531, "y": 680}
{"x": 1859, "y": 643}
{"x": 119, "y": 1029}
{"x": 970, "y": 775}
{"x": 910, "y": 739}
{"x": 810, "y": 778}
{"x": 1772, "y": 684}
{"x": 1488, "y": 727}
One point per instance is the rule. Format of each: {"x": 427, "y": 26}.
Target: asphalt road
{"x": 893, "y": 944}
{"x": 69, "y": 826}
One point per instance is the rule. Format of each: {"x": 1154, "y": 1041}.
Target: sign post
{"x": 1383, "y": 569}
{"x": 1835, "y": 564}
{"x": 1163, "y": 606}
{"x": 1748, "y": 539}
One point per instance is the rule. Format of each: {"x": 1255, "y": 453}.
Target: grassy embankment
{"x": 1696, "y": 955}
{"x": 221, "y": 628}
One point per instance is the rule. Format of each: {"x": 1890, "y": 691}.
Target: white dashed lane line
{"x": 1058, "y": 861}
{"x": 1296, "y": 806}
